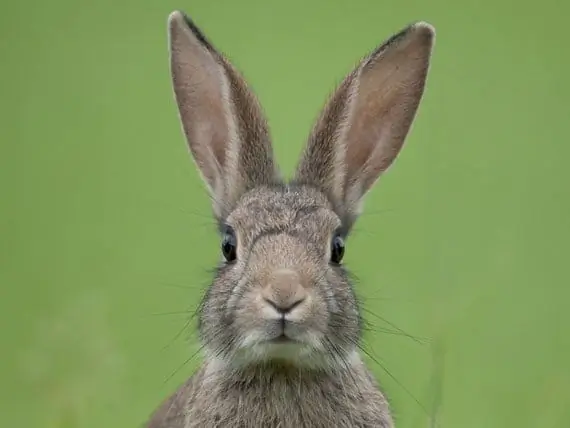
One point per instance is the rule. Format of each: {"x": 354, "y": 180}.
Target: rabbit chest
{"x": 287, "y": 400}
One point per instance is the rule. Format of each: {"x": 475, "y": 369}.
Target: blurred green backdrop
{"x": 106, "y": 239}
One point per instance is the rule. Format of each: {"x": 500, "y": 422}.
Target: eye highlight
{"x": 337, "y": 249}
{"x": 229, "y": 244}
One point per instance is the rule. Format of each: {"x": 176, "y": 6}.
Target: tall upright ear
{"x": 364, "y": 124}
{"x": 221, "y": 118}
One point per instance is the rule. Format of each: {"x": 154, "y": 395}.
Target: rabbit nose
{"x": 284, "y": 292}
{"x": 283, "y": 310}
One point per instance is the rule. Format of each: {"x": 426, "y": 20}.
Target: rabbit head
{"x": 281, "y": 293}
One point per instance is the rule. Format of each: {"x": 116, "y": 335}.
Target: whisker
{"x": 190, "y": 319}
{"x": 383, "y": 367}
{"x": 392, "y": 325}
{"x": 391, "y": 299}
{"x": 177, "y": 335}
{"x": 373, "y": 329}
{"x": 210, "y": 221}
{"x": 171, "y": 313}
{"x": 368, "y": 327}
{"x": 180, "y": 286}
{"x": 184, "y": 363}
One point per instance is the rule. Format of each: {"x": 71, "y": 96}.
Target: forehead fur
{"x": 283, "y": 208}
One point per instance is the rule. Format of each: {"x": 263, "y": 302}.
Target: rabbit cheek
{"x": 236, "y": 294}
{"x": 247, "y": 317}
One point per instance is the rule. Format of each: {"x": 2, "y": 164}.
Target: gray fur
{"x": 316, "y": 377}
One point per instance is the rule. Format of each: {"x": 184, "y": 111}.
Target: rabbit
{"x": 280, "y": 325}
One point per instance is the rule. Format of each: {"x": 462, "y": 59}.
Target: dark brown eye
{"x": 337, "y": 249}
{"x": 229, "y": 245}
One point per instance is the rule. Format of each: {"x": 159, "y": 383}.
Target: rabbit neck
{"x": 280, "y": 395}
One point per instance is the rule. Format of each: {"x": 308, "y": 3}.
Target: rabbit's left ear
{"x": 363, "y": 126}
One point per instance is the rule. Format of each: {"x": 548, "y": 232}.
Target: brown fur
{"x": 283, "y": 283}
{"x": 278, "y": 396}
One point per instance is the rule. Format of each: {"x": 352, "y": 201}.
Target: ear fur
{"x": 221, "y": 118}
{"x": 357, "y": 137}
{"x": 364, "y": 124}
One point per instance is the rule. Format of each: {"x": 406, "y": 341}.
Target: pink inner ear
{"x": 223, "y": 123}
{"x": 197, "y": 86}
{"x": 211, "y": 128}
{"x": 389, "y": 91}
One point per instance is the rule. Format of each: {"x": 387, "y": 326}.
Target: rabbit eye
{"x": 229, "y": 245}
{"x": 337, "y": 249}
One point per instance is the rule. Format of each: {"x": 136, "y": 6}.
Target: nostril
{"x": 284, "y": 307}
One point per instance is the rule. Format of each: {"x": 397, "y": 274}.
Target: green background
{"x": 106, "y": 238}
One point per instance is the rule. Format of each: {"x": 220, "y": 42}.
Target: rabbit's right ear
{"x": 225, "y": 128}
{"x": 364, "y": 124}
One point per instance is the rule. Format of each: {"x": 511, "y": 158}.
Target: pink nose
{"x": 284, "y": 291}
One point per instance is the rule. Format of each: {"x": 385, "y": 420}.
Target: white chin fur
{"x": 298, "y": 355}
{"x": 308, "y": 354}
{"x": 255, "y": 349}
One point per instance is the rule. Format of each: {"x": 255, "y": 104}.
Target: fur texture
{"x": 280, "y": 324}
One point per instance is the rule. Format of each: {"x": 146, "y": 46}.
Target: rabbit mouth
{"x": 282, "y": 339}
